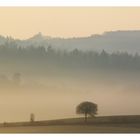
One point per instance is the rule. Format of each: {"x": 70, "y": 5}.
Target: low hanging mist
{"x": 51, "y": 82}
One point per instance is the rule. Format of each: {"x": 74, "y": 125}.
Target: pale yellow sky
{"x": 24, "y": 22}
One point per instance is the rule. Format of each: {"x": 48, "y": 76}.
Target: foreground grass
{"x": 69, "y": 129}
{"x": 101, "y": 124}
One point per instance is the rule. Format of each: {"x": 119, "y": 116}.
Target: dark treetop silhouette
{"x": 87, "y": 108}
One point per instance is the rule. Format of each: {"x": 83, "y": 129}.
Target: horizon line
{"x": 70, "y": 37}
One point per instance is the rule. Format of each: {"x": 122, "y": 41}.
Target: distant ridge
{"x": 113, "y": 41}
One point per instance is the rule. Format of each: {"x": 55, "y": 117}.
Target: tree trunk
{"x": 85, "y": 117}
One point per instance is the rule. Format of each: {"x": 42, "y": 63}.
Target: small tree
{"x": 17, "y": 79}
{"x": 32, "y": 117}
{"x": 87, "y": 108}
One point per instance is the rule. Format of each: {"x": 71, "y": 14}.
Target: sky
{"x": 23, "y": 22}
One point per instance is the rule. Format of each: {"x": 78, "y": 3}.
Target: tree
{"x": 32, "y": 117}
{"x": 17, "y": 79}
{"x": 87, "y": 108}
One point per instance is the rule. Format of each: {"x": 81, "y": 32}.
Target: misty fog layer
{"x": 51, "y": 83}
{"x": 58, "y": 97}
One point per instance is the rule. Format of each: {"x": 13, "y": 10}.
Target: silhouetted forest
{"x": 40, "y": 58}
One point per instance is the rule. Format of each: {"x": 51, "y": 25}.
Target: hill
{"x": 101, "y": 124}
{"x": 126, "y": 119}
{"x": 113, "y": 41}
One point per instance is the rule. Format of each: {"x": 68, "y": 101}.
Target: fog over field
{"x": 58, "y": 97}
{"x": 51, "y": 82}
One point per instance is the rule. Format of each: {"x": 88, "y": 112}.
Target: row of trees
{"x": 72, "y": 59}
{"x": 15, "y": 81}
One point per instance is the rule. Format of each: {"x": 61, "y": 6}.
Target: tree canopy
{"x": 87, "y": 108}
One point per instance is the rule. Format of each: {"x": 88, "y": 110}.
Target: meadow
{"x": 102, "y": 124}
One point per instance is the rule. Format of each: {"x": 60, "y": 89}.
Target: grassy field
{"x": 107, "y": 124}
{"x": 69, "y": 129}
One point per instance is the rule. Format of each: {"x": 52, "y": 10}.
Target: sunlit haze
{"x": 66, "y": 22}
{"x": 49, "y": 77}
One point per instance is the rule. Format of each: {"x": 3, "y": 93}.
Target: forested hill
{"x": 42, "y": 60}
{"x": 113, "y": 41}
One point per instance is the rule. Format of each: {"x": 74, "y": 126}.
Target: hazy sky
{"x": 66, "y": 22}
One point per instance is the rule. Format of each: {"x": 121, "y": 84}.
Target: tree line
{"x": 75, "y": 59}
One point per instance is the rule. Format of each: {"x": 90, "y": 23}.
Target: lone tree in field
{"x": 87, "y": 108}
